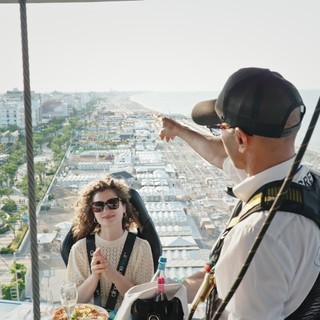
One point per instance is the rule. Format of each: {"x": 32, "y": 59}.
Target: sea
{"x": 170, "y": 103}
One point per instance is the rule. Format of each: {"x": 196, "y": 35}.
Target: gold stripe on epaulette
{"x": 295, "y": 195}
{"x": 291, "y": 195}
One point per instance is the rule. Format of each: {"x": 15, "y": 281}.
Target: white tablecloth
{"x": 21, "y": 312}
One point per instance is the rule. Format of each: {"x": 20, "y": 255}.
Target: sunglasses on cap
{"x": 216, "y": 129}
{"x": 112, "y": 204}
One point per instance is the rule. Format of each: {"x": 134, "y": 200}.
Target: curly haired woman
{"x": 104, "y": 209}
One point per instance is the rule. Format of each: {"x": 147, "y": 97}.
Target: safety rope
{"x": 275, "y": 206}
{"x": 30, "y": 163}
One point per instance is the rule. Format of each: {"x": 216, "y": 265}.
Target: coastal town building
{"x": 12, "y": 109}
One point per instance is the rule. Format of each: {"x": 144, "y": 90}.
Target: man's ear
{"x": 242, "y": 140}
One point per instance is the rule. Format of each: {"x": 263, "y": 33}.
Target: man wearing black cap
{"x": 254, "y": 122}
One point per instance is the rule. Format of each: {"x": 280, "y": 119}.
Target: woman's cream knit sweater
{"x": 139, "y": 269}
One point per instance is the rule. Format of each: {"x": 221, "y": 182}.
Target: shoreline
{"x": 181, "y": 103}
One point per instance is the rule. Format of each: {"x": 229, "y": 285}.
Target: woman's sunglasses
{"x": 112, "y": 204}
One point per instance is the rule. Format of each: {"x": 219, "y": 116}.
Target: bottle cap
{"x": 162, "y": 259}
{"x": 207, "y": 267}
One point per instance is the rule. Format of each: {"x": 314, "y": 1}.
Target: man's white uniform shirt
{"x": 286, "y": 263}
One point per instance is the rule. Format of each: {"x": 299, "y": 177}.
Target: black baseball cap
{"x": 256, "y": 100}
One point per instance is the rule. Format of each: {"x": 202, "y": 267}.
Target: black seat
{"x": 147, "y": 231}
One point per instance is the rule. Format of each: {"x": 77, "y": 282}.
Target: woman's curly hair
{"x": 85, "y": 223}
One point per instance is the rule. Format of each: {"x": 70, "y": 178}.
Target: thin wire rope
{"x": 30, "y": 163}
{"x": 275, "y": 206}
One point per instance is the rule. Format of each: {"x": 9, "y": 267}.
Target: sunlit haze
{"x": 159, "y": 45}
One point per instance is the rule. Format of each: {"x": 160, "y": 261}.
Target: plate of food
{"x": 82, "y": 311}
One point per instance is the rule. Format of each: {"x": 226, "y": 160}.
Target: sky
{"x": 159, "y": 45}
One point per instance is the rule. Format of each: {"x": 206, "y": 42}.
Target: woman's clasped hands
{"x": 100, "y": 265}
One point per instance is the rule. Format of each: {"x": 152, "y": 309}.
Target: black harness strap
{"x": 211, "y": 304}
{"x": 122, "y": 266}
{"x": 215, "y": 252}
{"x": 91, "y": 247}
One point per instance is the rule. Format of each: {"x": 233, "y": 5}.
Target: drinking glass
{"x": 69, "y": 297}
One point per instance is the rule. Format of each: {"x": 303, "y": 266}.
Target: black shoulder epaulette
{"x": 299, "y": 199}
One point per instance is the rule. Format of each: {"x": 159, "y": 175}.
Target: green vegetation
{"x": 9, "y": 291}
{"x": 18, "y": 239}
{"x": 57, "y": 136}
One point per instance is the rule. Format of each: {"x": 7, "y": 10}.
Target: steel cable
{"x": 30, "y": 163}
